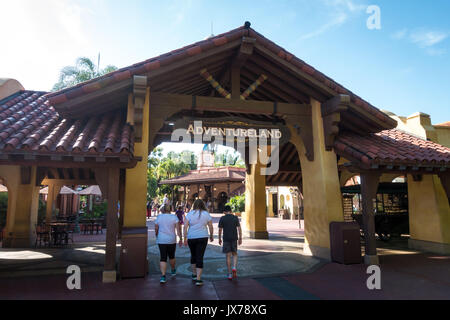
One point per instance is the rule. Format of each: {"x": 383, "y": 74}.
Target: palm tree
{"x": 83, "y": 70}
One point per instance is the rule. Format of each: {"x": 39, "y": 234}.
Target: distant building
{"x": 214, "y": 185}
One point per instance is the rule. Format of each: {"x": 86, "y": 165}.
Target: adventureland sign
{"x": 236, "y": 129}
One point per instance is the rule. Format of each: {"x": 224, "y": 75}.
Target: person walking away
{"x": 149, "y": 210}
{"x": 167, "y": 227}
{"x": 196, "y": 226}
{"x": 180, "y": 214}
{"x": 165, "y": 200}
{"x": 230, "y": 226}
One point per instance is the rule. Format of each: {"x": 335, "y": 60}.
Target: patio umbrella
{"x": 92, "y": 190}
{"x": 67, "y": 190}
{"x": 44, "y": 190}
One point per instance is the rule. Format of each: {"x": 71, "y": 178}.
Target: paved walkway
{"x": 268, "y": 269}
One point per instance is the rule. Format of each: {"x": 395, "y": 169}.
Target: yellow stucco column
{"x": 254, "y": 220}
{"x": 135, "y": 205}
{"x": 53, "y": 191}
{"x": 22, "y": 207}
{"x": 270, "y": 212}
{"x": 321, "y": 188}
{"x": 429, "y": 215}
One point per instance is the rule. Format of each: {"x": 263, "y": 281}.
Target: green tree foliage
{"x": 82, "y": 71}
{"x": 237, "y": 203}
{"x": 229, "y": 159}
{"x": 168, "y": 167}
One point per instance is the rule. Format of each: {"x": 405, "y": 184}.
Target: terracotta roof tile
{"x": 391, "y": 147}
{"x": 29, "y": 123}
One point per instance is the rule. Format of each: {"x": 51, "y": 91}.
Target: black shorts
{"x": 229, "y": 246}
{"x": 167, "y": 250}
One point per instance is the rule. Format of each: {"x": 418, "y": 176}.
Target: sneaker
{"x": 194, "y": 277}
{"x": 234, "y": 273}
{"x": 230, "y": 276}
{"x": 198, "y": 282}
{"x": 163, "y": 279}
{"x": 173, "y": 272}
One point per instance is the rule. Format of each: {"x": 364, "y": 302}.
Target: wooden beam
{"x": 235, "y": 82}
{"x": 41, "y": 173}
{"x": 68, "y": 182}
{"x": 331, "y": 114}
{"x": 290, "y": 80}
{"x": 279, "y": 84}
{"x": 245, "y": 51}
{"x": 139, "y": 93}
{"x": 89, "y": 163}
{"x": 369, "y": 187}
{"x": 319, "y": 85}
{"x": 177, "y": 102}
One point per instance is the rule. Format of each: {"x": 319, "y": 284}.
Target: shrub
{"x": 237, "y": 203}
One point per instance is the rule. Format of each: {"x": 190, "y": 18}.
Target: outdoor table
{"x": 58, "y": 232}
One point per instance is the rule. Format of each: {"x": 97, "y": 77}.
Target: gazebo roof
{"x": 208, "y": 175}
{"x": 91, "y": 190}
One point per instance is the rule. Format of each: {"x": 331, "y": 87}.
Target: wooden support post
{"x": 213, "y": 199}
{"x": 108, "y": 180}
{"x": 369, "y": 186}
{"x": 235, "y": 82}
{"x": 121, "y": 201}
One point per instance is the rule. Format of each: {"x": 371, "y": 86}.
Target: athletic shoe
{"x": 230, "y": 276}
{"x": 198, "y": 282}
{"x": 194, "y": 277}
{"x": 173, "y": 272}
{"x": 234, "y": 273}
{"x": 163, "y": 279}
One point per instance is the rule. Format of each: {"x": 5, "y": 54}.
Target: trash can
{"x": 133, "y": 253}
{"x": 345, "y": 242}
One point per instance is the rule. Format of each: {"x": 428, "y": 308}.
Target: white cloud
{"x": 400, "y": 34}
{"x": 339, "y": 13}
{"x": 335, "y": 22}
{"x": 425, "y": 38}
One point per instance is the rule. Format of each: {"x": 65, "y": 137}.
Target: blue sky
{"x": 404, "y": 67}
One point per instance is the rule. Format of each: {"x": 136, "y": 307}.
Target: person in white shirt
{"x": 196, "y": 226}
{"x": 167, "y": 227}
{"x": 166, "y": 200}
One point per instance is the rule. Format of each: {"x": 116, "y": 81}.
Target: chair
{"x": 42, "y": 234}
{"x": 68, "y": 232}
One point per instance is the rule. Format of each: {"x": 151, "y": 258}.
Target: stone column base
{"x": 256, "y": 234}
{"x": 109, "y": 276}
{"x": 316, "y": 251}
{"x": 428, "y": 246}
{"x": 371, "y": 260}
